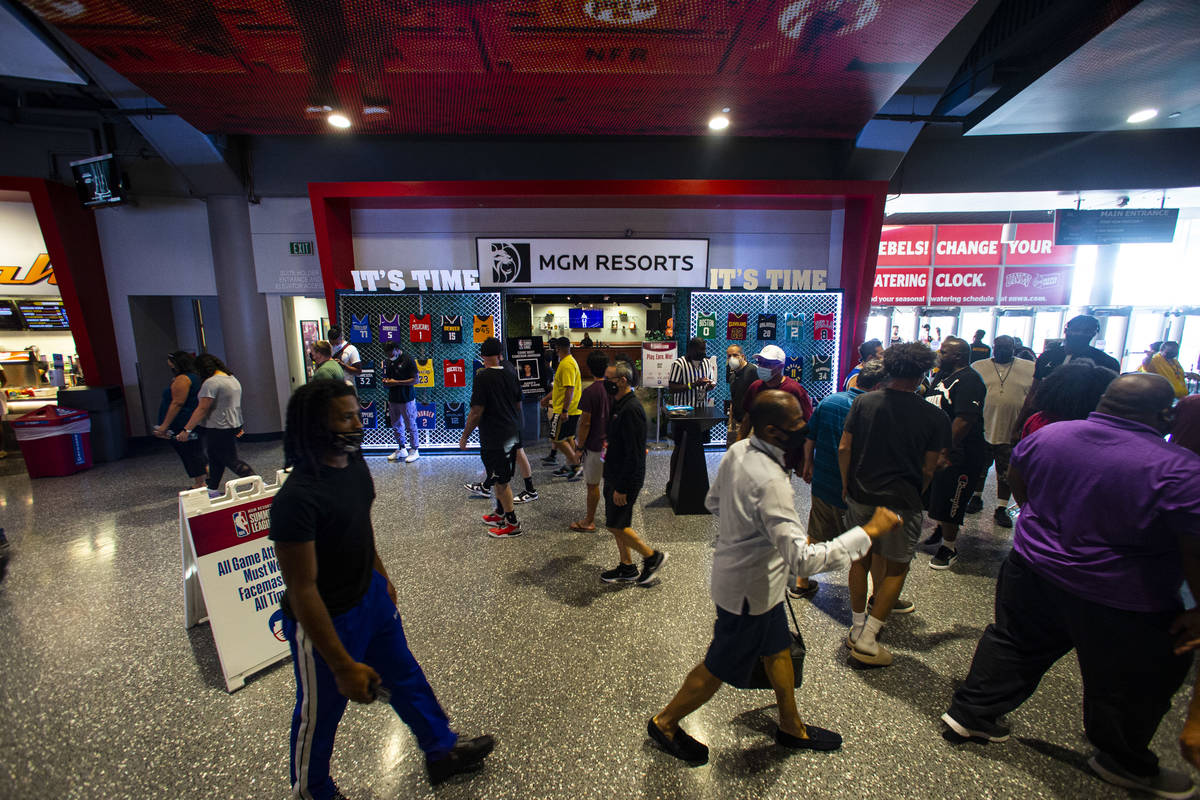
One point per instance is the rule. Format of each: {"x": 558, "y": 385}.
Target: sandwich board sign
{"x": 230, "y": 575}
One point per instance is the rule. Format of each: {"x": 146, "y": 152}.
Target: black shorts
{"x": 563, "y": 426}
{"x": 740, "y": 640}
{"x": 616, "y": 516}
{"x": 950, "y": 490}
{"x": 500, "y": 463}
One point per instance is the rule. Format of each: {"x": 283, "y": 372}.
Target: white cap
{"x": 771, "y": 354}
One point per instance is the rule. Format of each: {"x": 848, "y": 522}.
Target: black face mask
{"x": 793, "y": 440}
{"x": 349, "y": 441}
{"x": 610, "y": 386}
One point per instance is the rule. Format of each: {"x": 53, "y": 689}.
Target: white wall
{"x": 274, "y": 223}
{"x": 21, "y": 243}
{"x": 159, "y": 247}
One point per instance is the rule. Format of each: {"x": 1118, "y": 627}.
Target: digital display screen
{"x": 10, "y": 320}
{"x": 98, "y": 182}
{"x": 44, "y": 315}
{"x": 586, "y": 318}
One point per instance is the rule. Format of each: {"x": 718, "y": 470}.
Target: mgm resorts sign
{"x": 593, "y": 263}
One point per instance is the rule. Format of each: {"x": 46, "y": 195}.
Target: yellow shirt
{"x": 1172, "y": 371}
{"x": 566, "y": 375}
{"x": 424, "y": 373}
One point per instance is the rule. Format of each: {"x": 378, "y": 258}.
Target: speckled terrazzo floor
{"x": 104, "y": 694}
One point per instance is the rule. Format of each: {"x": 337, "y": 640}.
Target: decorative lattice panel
{"x": 781, "y": 304}
{"x": 436, "y": 304}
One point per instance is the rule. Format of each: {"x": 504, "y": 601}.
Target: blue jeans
{"x": 371, "y": 632}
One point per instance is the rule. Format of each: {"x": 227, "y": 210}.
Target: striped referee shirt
{"x": 688, "y": 373}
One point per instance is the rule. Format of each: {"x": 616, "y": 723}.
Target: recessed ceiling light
{"x": 1143, "y": 115}
{"x": 338, "y": 120}
{"x": 724, "y": 110}
{"x": 718, "y": 123}
{"x": 1175, "y": 115}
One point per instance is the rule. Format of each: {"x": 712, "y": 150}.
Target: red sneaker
{"x": 493, "y": 519}
{"x": 509, "y": 530}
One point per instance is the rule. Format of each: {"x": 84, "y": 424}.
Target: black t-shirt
{"x": 402, "y": 369}
{"x": 625, "y": 459}
{"x": 980, "y": 351}
{"x": 332, "y": 509}
{"x": 1056, "y": 355}
{"x": 961, "y": 395}
{"x": 737, "y": 390}
{"x": 499, "y": 392}
{"x": 892, "y": 431}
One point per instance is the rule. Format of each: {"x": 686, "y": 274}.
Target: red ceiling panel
{"x": 515, "y": 67}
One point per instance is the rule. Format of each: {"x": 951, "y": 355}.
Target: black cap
{"x": 490, "y": 347}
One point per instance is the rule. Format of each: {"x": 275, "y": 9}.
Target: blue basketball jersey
{"x": 794, "y": 369}
{"x": 426, "y": 416}
{"x": 367, "y": 412}
{"x": 360, "y": 329}
{"x": 455, "y": 415}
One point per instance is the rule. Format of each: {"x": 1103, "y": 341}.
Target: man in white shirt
{"x": 760, "y": 539}
{"x": 347, "y": 354}
{"x": 1009, "y": 381}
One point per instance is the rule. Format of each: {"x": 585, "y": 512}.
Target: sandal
{"x": 575, "y": 526}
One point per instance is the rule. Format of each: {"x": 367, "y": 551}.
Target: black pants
{"x": 1129, "y": 671}
{"x": 221, "y": 444}
{"x": 191, "y": 453}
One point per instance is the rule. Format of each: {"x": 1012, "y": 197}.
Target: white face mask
{"x": 735, "y": 362}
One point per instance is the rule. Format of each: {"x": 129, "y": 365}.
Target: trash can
{"x": 54, "y": 441}
{"x": 106, "y": 406}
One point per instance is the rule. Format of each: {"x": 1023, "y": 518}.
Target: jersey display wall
{"x": 360, "y": 329}
{"x": 807, "y": 325}
{"x": 444, "y": 351}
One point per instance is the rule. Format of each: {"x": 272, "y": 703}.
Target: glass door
{"x": 906, "y": 320}
{"x": 1047, "y": 324}
{"x": 1189, "y": 339}
{"x": 1145, "y": 326}
{"x": 942, "y": 322}
{"x": 1017, "y": 323}
{"x": 977, "y": 319}
{"x": 879, "y": 325}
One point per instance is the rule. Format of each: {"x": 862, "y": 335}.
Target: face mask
{"x": 765, "y": 374}
{"x": 735, "y": 362}
{"x": 349, "y": 441}
{"x": 610, "y": 387}
{"x": 794, "y": 439}
{"x": 394, "y": 356}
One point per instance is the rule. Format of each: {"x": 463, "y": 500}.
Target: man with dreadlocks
{"x": 339, "y": 606}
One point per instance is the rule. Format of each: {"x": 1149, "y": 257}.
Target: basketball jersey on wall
{"x": 424, "y": 373}
{"x": 389, "y": 328}
{"x": 366, "y": 411}
{"x": 794, "y": 326}
{"x": 454, "y": 416}
{"x": 822, "y": 327}
{"x": 454, "y": 373}
{"x": 706, "y": 326}
{"x": 426, "y": 416}
{"x": 735, "y": 327}
{"x": 766, "y": 327}
{"x": 451, "y": 330}
{"x": 794, "y": 368}
{"x": 420, "y": 329}
{"x": 822, "y": 368}
{"x": 360, "y": 329}
{"x": 484, "y": 328}
{"x": 365, "y": 379}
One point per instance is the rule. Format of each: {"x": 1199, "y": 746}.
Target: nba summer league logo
{"x": 241, "y": 525}
{"x": 510, "y": 262}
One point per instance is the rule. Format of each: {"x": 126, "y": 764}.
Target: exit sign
{"x": 300, "y": 248}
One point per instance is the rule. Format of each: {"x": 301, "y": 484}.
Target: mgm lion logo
{"x": 510, "y": 262}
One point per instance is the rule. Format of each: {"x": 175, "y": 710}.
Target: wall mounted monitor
{"x": 98, "y": 181}
{"x": 44, "y": 315}
{"x": 10, "y": 317}
{"x": 581, "y": 318}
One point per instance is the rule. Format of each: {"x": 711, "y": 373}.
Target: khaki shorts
{"x": 593, "y": 467}
{"x": 901, "y": 544}
{"x": 825, "y": 522}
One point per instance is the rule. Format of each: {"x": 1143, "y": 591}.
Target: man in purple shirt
{"x": 1109, "y": 528}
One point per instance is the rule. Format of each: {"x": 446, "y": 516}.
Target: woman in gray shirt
{"x": 220, "y": 409}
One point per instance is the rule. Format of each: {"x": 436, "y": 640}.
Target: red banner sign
{"x": 905, "y": 286}
{"x": 906, "y": 246}
{"x": 1035, "y": 245}
{"x": 968, "y": 245}
{"x": 1036, "y": 286}
{"x": 956, "y": 286}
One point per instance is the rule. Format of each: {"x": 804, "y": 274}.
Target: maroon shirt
{"x": 596, "y": 401}
{"x": 790, "y": 386}
{"x": 1186, "y": 432}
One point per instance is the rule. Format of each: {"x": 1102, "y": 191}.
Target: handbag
{"x": 758, "y": 678}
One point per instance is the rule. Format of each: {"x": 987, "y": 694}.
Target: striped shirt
{"x": 688, "y": 373}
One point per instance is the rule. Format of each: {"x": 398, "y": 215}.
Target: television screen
{"x": 44, "y": 315}
{"x": 10, "y": 319}
{"x": 586, "y": 318}
{"x": 98, "y": 181}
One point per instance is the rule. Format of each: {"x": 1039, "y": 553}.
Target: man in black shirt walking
{"x": 496, "y": 411}
{"x": 624, "y": 473}
{"x": 960, "y": 392}
{"x": 340, "y": 615}
{"x": 1077, "y": 343}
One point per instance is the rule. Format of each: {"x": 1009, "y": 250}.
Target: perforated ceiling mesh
{"x": 524, "y": 67}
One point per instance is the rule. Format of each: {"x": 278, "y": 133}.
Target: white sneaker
{"x": 413, "y": 456}
{"x": 398, "y": 454}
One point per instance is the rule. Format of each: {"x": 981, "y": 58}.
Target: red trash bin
{"x": 54, "y": 441}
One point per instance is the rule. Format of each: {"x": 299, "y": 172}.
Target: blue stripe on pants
{"x": 372, "y": 633}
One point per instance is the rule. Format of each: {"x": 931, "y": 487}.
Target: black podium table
{"x": 689, "y": 473}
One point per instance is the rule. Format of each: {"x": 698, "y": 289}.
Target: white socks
{"x": 857, "y": 621}
{"x": 866, "y": 639}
